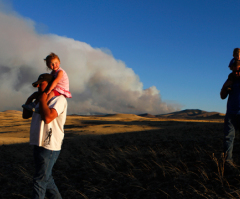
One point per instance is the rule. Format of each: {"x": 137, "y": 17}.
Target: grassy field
{"x": 121, "y": 157}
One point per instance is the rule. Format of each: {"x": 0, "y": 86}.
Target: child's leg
{"x": 50, "y": 95}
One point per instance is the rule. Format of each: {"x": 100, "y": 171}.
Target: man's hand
{"x": 32, "y": 97}
{"x": 228, "y": 83}
{"x": 225, "y": 89}
{"x": 27, "y": 114}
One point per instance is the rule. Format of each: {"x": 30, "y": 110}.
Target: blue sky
{"x": 181, "y": 47}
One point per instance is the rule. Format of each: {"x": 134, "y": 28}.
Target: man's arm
{"x": 27, "y": 114}
{"x": 47, "y": 114}
{"x": 225, "y": 89}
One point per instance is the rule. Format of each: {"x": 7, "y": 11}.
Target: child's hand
{"x": 48, "y": 91}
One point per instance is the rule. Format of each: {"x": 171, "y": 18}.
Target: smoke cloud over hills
{"x": 98, "y": 82}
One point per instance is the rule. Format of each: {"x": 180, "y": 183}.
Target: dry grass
{"x": 124, "y": 158}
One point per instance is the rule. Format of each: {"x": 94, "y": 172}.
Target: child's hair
{"x": 236, "y": 50}
{"x": 50, "y": 57}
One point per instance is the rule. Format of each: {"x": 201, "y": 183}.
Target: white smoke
{"x": 98, "y": 82}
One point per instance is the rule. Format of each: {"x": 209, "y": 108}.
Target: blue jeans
{"x": 231, "y": 125}
{"x": 43, "y": 181}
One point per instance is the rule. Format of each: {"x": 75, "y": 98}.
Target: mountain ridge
{"x": 193, "y": 113}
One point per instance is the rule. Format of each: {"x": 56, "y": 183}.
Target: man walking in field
{"x": 231, "y": 88}
{"x": 46, "y": 134}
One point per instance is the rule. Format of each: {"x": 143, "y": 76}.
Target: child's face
{"x": 54, "y": 64}
{"x": 237, "y": 56}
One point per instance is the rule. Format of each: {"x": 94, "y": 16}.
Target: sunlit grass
{"x": 173, "y": 160}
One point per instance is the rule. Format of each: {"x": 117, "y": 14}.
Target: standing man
{"x": 46, "y": 134}
{"x": 231, "y": 88}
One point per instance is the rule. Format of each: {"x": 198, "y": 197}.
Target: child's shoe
{"x": 29, "y": 107}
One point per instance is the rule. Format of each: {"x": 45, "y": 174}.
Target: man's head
{"x": 43, "y": 81}
{"x": 236, "y": 53}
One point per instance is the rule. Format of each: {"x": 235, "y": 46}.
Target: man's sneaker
{"x": 30, "y": 107}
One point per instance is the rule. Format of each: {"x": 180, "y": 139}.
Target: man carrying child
{"x": 46, "y": 135}
{"x": 231, "y": 88}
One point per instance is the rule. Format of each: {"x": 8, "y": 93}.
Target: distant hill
{"x": 122, "y": 115}
{"x": 147, "y": 115}
{"x": 193, "y": 113}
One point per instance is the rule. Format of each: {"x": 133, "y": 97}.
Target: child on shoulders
{"x": 232, "y": 65}
{"x": 59, "y": 86}
{"x": 236, "y": 57}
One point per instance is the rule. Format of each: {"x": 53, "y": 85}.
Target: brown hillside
{"x": 193, "y": 113}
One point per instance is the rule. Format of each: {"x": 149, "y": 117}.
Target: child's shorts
{"x": 56, "y": 93}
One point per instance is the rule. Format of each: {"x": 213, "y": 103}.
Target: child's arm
{"x": 55, "y": 81}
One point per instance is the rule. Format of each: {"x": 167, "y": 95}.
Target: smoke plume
{"x": 98, "y": 82}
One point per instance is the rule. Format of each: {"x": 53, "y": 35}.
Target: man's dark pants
{"x": 231, "y": 125}
{"x": 43, "y": 181}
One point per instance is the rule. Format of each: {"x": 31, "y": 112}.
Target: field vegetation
{"x": 124, "y": 157}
